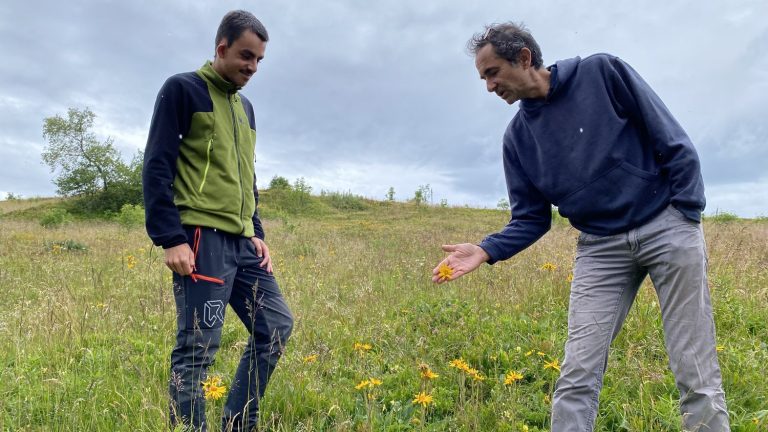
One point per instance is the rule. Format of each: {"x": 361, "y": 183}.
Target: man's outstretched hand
{"x": 462, "y": 259}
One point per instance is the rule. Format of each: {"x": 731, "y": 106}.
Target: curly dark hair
{"x": 235, "y": 23}
{"x": 507, "y": 40}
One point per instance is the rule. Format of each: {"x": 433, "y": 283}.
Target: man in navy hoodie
{"x": 592, "y": 138}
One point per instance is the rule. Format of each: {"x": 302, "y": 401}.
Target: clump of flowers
{"x": 310, "y": 358}
{"x": 548, "y": 266}
{"x": 512, "y": 377}
{"x": 362, "y": 348}
{"x": 213, "y": 389}
{"x": 426, "y": 373}
{"x": 130, "y": 262}
{"x": 554, "y": 364}
{"x": 368, "y": 384}
{"x": 459, "y": 364}
{"x": 423, "y": 399}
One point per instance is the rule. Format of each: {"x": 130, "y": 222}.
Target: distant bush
{"x": 344, "y": 200}
{"x": 55, "y": 217}
{"x": 66, "y": 245}
{"x": 130, "y": 216}
{"x": 722, "y": 217}
{"x": 107, "y": 202}
{"x": 278, "y": 182}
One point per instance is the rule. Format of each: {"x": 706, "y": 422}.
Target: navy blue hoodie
{"x": 603, "y": 148}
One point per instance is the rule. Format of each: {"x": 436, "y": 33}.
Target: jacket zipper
{"x": 207, "y": 164}
{"x": 237, "y": 154}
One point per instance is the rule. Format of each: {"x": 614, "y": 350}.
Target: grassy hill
{"x": 89, "y": 322}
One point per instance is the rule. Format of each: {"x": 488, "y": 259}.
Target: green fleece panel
{"x": 214, "y": 181}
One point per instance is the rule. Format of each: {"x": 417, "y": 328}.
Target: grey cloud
{"x": 385, "y": 87}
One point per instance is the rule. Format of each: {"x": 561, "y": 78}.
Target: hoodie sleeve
{"x": 531, "y": 213}
{"x": 258, "y": 229}
{"x": 170, "y": 121}
{"x": 672, "y": 146}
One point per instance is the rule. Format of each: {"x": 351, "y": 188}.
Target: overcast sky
{"x": 361, "y": 96}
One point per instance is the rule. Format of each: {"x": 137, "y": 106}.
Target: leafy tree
{"x": 391, "y": 194}
{"x": 503, "y": 204}
{"x": 85, "y": 165}
{"x": 279, "y": 182}
{"x": 88, "y": 168}
{"x": 423, "y": 194}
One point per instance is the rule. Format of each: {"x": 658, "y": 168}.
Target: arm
{"x": 531, "y": 213}
{"x": 262, "y": 250}
{"x": 159, "y": 171}
{"x": 671, "y": 145}
{"x": 258, "y": 229}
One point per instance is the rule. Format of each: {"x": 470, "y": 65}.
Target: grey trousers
{"x": 607, "y": 275}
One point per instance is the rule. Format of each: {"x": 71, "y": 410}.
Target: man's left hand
{"x": 262, "y": 251}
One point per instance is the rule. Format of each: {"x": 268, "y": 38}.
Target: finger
{"x": 189, "y": 264}
{"x": 449, "y": 248}
{"x": 436, "y": 270}
{"x": 259, "y": 249}
{"x": 267, "y": 261}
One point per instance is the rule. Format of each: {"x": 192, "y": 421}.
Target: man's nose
{"x": 490, "y": 85}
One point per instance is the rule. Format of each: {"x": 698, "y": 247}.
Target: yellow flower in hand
{"x": 444, "y": 272}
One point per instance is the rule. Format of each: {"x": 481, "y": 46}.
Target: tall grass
{"x": 86, "y": 332}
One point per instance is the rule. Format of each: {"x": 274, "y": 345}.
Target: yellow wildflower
{"x": 570, "y": 277}
{"x": 130, "y": 262}
{"x": 310, "y": 358}
{"x": 548, "y": 266}
{"x": 475, "y": 374}
{"x": 362, "y": 348}
{"x": 444, "y": 272}
{"x": 554, "y": 364}
{"x": 368, "y": 384}
{"x": 422, "y": 399}
{"x": 426, "y": 372}
{"x": 529, "y": 353}
{"x": 511, "y": 377}
{"x": 212, "y": 388}
{"x": 540, "y": 353}
{"x": 720, "y": 348}
{"x": 459, "y": 364}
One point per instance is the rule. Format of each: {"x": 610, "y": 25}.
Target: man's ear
{"x": 221, "y": 48}
{"x": 524, "y": 58}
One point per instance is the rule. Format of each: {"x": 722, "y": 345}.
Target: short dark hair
{"x": 235, "y": 23}
{"x": 507, "y": 40}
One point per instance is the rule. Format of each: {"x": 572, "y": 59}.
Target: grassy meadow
{"x": 88, "y": 322}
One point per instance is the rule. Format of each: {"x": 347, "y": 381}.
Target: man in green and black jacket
{"x": 200, "y": 197}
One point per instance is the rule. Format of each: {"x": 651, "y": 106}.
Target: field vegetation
{"x": 88, "y": 323}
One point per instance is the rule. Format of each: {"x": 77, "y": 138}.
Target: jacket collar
{"x": 217, "y": 80}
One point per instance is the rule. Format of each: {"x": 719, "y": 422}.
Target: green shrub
{"x": 722, "y": 217}
{"x": 130, "y": 216}
{"x": 55, "y": 217}
{"x": 279, "y": 182}
{"x": 66, "y": 245}
{"x": 344, "y": 200}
